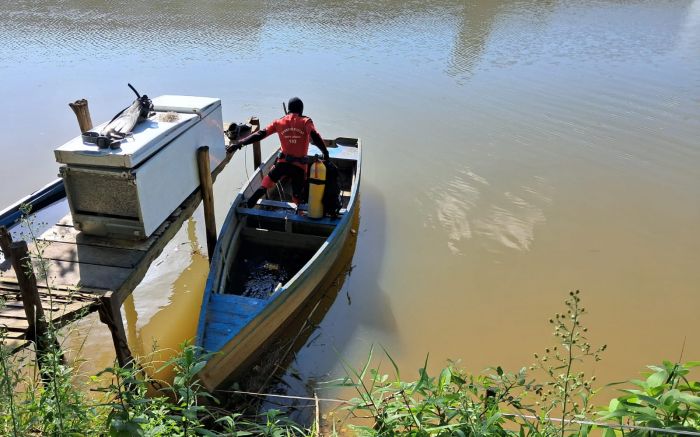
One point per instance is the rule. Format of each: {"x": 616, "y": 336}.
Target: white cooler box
{"x": 129, "y": 192}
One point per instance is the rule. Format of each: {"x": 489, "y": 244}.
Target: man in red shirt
{"x": 295, "y": 132}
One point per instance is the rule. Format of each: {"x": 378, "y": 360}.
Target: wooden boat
{"x": 266, "y": 263}
{"x": 36, "y": 201}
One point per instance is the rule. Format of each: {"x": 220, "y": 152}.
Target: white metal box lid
{"x": 148, "y": 137}
{"x": 185, "y": 104}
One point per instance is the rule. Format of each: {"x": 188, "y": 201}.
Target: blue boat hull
{"x": 236, "y": 327}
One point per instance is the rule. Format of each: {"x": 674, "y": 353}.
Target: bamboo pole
{"x": 82, "y": 112}
{"x": 257, "y": 154}
{"x": 207, "y": 188}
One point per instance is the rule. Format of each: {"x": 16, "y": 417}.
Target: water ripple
{"x": 512, "y": 225}
{"x": 467, "y": 206}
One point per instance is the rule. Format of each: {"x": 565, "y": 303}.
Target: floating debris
{"x": 271, "y": 266}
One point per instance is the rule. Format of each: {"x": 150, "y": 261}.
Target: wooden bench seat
{"x": 288, "y": 216}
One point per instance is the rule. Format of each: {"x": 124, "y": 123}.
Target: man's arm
{"x": 318, "y": 141}
{"x": 250, "y": 139}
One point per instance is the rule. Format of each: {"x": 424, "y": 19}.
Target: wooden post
{"x": 33, "y": 309}
{"x": 5, "y": 242}
{"x": 257, "y": 154}
{"x": 28, "y": 288}
{"x": 207, "y": 198}
{"x": 110, "y": 315}
{"x": 82, "y": 112}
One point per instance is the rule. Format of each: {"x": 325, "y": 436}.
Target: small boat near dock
{"x": 267, "y": 261}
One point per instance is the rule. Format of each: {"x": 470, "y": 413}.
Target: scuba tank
{"x": 317, "y": 183}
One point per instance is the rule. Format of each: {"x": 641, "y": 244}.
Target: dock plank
{"x": 14, "y": 344}
{"x": 75, "y": 274}
{"x": 16, "y": 307}
{"x": 14, "y": 325}
{"x": 68, "y": 234}
{"x": 88, "y": 275}
{"x": 67, "y": 292}
{"x": 97, "y": 255}
{"x": 13, "y": 338}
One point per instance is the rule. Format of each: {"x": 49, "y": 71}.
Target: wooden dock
{"x": 85, "y": 273}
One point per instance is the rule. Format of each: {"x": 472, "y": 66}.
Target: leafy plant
{"x": 187, "y": 389}
{"x": 452, "y": 403}
{"x": 666, "y": 399}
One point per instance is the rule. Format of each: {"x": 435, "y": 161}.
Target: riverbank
{"x": 129, "y": 402}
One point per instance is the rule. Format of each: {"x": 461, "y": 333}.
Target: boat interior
{"x": 276, "y": 237}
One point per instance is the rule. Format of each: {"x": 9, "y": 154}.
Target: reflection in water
{"x": 480, "y": 20}
{"x": 135, "y": 27}
{"x": 512, "y": 228}
{"x": 689, "y": 34}
{"x": 161, "y": 335}
{"x": 513, "y": 223}
{"x": 508, "y": 218}
{"x": 453, "y": 205}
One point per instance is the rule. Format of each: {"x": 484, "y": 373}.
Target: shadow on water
{"x": 372, "y": 303}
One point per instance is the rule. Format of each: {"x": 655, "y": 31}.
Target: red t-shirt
{"x": 294, "y": 132}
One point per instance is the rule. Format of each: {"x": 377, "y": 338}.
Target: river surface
{"x": 513, "y": 151}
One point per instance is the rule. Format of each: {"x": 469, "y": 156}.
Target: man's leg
{"x": 268, "y": 182}
{"x": 257, "y": 195}
{"x": 298, "y": 176}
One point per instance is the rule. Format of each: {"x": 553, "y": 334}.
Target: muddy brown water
{"x": 514, "y": 151}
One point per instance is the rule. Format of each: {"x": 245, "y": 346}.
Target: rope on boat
{"x": 523, "y": 416}
{"x": 303, "y": 398}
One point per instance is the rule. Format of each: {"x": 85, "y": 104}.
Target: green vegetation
{"x": 551, "y": 397}
{"x": 59, "y": 406}
{"x": 450, "y": 403}
{"x": 665, "y": 399}
{"x": 558, "y": 403}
